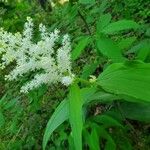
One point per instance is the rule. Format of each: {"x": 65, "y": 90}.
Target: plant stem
{"x": 86, "y": 24}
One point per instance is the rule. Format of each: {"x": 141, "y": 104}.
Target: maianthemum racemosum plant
{"x": 32, "y": 56}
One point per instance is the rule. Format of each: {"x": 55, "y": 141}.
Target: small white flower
{"x": 31, "y": 56}
{"x": 67, "y": 80}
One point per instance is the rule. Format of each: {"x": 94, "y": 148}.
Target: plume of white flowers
{"x": 54, "y": 64}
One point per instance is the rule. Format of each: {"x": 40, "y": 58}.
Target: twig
{"x": 86, "y": 25}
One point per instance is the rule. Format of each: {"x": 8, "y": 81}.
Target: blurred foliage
{"x": 132, "y": 9}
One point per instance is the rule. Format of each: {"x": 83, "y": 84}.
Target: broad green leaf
{"x": 102, "y": 97}
{"x": 75, "y": 115}
{"x": 80, "y": 47}
{"x": 103, "y": 22}
{"x": 131, "y": 79}
{"x": 120, "y": 25}
{"x": 108, "y": 48}
{"x": 59, "y": 116}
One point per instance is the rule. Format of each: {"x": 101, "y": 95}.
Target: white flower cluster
{"x": 42, "y": 55}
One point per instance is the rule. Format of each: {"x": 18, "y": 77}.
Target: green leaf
{"x": 120, "y": 25}
{"x": 101, "y": 97}
{"x": 89, "y": 69}
{"x": 3, "y": 99}
{"x": 104, "y": 5}
{"x": 99, "y": 135}
{"x": 92, "y": 139}
{"x": 110, "y": 144}
{"x": 143, "y": 53}
{"x": 11, "y": 103}
{"x": 136, "y": 111}
{"x": 131, "y": 79}
{"x": 103, "y": 22}
{"x": 59, "y": 116}
{"x": 80, "y": 47}
{"x": 93, "y": 94}
{"x": 142, "y": 44}
{"x": 108, "y": 48}
{"x": 87, "y": 1}
{"x": 126, "y": 43}
{"x": 87, "y": 93}
{"x": 107, "y": 121}
{"x": 75, "y": 115}
{"x": 143, "y": 49}
{"x": 71, "y": 143}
